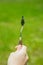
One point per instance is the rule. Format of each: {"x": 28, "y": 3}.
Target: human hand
{"x": 19, "y": 57}
{"x": 20, "y": 47}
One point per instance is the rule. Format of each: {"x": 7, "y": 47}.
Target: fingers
{"x": 18, "y": 47}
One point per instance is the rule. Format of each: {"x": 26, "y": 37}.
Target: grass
{"x": 10, "y": 16}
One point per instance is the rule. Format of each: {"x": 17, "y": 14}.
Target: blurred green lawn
{"x": 10, "y": 16}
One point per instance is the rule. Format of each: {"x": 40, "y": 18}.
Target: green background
{"x": 11, "y": 12}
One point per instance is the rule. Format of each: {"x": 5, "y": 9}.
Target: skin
{"x": 19, "y": 57}
{"x": 19, "y": 47}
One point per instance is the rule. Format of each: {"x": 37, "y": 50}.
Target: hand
{"x": 19, "y": 57}
{"x": 19, "y": 47}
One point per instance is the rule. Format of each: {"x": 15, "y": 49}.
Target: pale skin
{"x": 19, "y": 47}
{"x": 19, "y": 57}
